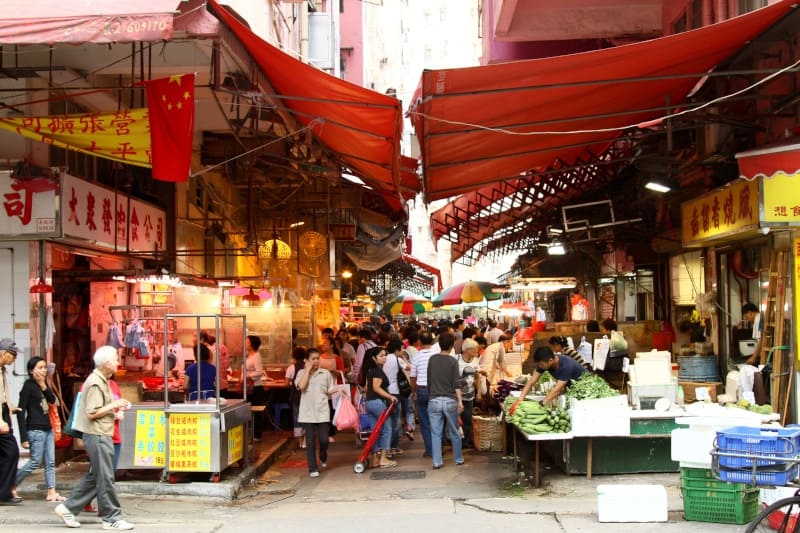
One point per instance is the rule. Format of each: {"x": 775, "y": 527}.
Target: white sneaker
{"x": 119, "y": 525}
{"x": 66, "y": 515}
{"x": 314, "y": 474}
{"x": 324, "y": 465}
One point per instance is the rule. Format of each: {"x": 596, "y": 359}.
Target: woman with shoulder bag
{"x": 394, "y": 366}
{"x": 378, "y": 399}
{"x": 36, "y": 433}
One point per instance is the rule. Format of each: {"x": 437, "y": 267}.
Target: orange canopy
{"x": 360, "y": 126}
{"x": 482, "y": 125}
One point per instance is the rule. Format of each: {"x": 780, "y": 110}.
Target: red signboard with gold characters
{"x": 723, "y": 212}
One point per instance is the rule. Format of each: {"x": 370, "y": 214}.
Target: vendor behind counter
{"x": 562, "y": 367}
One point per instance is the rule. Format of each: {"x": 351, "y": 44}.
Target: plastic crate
{"x": 780, "y": 443}
{"x": 763, "y": 477}
{"x": 702, "y": 478}
{"x": 722, "y": 506}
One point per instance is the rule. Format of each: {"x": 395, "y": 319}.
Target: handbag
{"x": 346, "y": 415}
{"x": 55, "y": 420}
{"x": 402, "y": 381}
{"x": 69, "y": 427}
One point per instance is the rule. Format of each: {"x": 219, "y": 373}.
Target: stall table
{"x": 536, "y": 438}
{"x": 646, "y": 449}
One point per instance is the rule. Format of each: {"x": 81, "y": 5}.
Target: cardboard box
{"x": 690, "y": 388}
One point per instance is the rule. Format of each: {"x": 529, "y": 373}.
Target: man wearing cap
{"x": 9, "y": 452}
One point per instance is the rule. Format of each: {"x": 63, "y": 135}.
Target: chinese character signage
{"x": 122, "y": 136}
{"x": 782, "y": 199}
{"x": 109, "y": 219}
{"x": 189, "y": 442}
{"x": 796, "y": 285}
{"x": 235, "y": 444}
{"x": 30, "y": 208}
{"x": 722, "y": 212}
{"x": 149, "y": 449}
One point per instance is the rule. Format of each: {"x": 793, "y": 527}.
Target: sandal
{"x": 388, "y": 464}
{"x": 56, "y": 498}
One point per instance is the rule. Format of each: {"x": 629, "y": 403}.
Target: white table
{"x": 537, "y": 437}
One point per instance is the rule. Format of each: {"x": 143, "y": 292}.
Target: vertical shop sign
{"x": 29, "y": 208}
{"x": 235, "y": 444}
{"x": 796, "y": 287}
{"x": 108, "y": 219}
{"x": 189, "y": 442}
{"x": 149, "y": 448}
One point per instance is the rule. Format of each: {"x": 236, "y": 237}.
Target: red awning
{"x": 361, "y": 126}
{"x": 770, "y": 160}
{"x": 555, "y": 109}
{"x": 86, "y": 21}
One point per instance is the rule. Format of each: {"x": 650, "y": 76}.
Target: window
{"x": 697, "y": 14}
{"x": 680, "y": 24}
{"x": 746, "y": 6}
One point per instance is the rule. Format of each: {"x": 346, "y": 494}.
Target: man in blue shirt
{"x": 561, "y": 367}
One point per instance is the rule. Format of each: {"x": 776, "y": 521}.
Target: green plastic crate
{"x": 721, "y": 506}
{"x": 702, "y": 478}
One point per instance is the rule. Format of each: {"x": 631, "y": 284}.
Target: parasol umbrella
{"x": 465, "y": 293}
{"x": 407, "y": 304}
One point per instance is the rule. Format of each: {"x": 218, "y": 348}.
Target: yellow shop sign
{"x": 722, "y": 212}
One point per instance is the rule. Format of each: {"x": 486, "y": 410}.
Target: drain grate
{"x": 398, "y": 474}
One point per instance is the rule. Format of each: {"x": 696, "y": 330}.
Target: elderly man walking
{"x": 95, "y": 418}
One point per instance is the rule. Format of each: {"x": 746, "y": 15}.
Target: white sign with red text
{"x": 105, "y": 218}
{"x": 30, "y": 207}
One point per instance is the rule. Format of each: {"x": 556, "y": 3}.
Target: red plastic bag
{"x": 346, "y": 415}
{"x": 55, "y": 421}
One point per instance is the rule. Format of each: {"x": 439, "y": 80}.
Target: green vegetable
{"x": 589, "y": 387}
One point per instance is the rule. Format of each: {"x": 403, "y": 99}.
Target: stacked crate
{"x": 706, "y": 499}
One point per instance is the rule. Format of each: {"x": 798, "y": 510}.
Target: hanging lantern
{"x": 275, "y": 250}
{"x": 313, "y": 244}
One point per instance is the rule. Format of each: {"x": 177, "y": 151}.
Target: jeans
{"x": 466, "y": 421}
{"x": 439, "y": 408}
{"x": 424, "y": 421}
{"x": 98, "y": 481}
{"x": 376, "y": 408}
{"x": 316, "y": 431}
{"x": 42, "y": 447}
{"x": 395, "y": 420}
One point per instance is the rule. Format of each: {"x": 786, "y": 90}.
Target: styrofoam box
{"x": 631, "y": 503}
{"x": 600, "y": 403}
{"x": 693, "y": 446}
{"x": 610, "y": 422}
{"x": 603, "y": 417}
{"x": 769, "y": 496}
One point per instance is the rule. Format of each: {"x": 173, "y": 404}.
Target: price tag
{"x": 701, "y": 394}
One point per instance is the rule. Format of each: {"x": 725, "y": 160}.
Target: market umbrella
{"x": 465, "y": 293}
{"x": 407, "y": 304}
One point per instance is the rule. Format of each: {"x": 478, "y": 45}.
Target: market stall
{"x": 202, "y": 435}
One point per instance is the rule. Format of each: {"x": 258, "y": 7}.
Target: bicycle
{"x": 764, "y": 470}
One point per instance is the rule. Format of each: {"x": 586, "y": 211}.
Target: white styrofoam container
{"x": 693, "y": 446}
{"x": 769, "y": 496}
{"x": 631, "y": 503}
{"x": 608, "y": 422}
{"x": 600, "y": 403}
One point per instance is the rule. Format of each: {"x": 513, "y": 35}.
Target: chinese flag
{"x": 170, "y": 104}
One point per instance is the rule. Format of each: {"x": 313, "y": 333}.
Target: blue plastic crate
{"x": 778, "y": 443}
{"x": 772, "y": 478}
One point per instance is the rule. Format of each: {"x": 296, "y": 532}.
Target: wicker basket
{"x": 487, "y": 433}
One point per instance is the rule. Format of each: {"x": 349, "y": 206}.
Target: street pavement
{"x": 484, "y": 494}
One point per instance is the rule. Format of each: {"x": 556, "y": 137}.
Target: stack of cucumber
{"x": 532, "y": 417}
